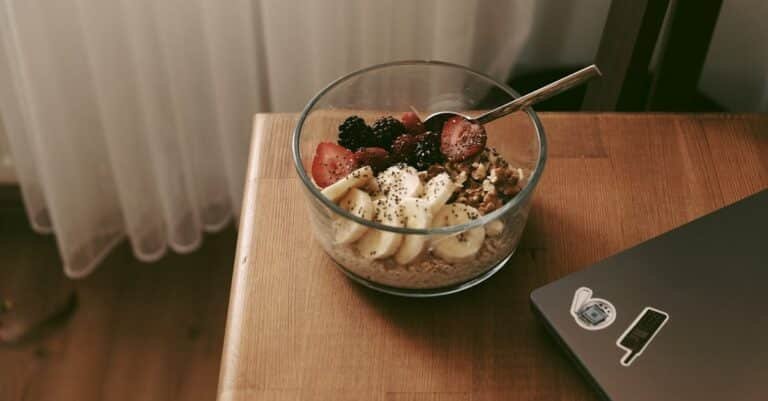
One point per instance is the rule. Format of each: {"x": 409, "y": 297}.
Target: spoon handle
{"x": 543, "y": 93}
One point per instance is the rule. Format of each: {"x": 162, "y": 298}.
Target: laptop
{"x": 683, "y": 316}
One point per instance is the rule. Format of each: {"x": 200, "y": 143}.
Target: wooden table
{"x": 299, "y": 330}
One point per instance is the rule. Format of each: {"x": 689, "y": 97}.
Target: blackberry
{"x": 354, "y": 133}
{"x": 427, "y": 150}
{"x": 431, "y": 137}
{"x": 404, "y": 149}
{"x": 385, "y": 130}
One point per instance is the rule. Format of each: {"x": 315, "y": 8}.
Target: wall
{"x": 563, "y": 33}
{"x": 735, "y": 72}
{"x": 736, "y": 69}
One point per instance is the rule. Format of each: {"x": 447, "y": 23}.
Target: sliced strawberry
{"x": 377, "y": 158}
{"x": 412, "y": 123}
{"x": 461, "y": 139}
{"x": 331, "y": 163}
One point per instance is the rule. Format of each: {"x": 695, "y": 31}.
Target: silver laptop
{"x": 683, "y": 316}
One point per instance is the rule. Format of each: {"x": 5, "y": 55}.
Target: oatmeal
{"x": 397, "y": 173}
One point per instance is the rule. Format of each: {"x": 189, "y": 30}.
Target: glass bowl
{"x": 426, "y": 87}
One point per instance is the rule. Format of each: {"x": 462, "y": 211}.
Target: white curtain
{"x": 131, "y": 118}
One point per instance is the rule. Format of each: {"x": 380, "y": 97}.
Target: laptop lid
{"x": 683, "y": 316}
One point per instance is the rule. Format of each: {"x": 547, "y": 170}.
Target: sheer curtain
{"x": 131, "y": 118}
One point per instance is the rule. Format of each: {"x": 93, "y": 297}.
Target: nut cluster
{"x": 487, "y": 180}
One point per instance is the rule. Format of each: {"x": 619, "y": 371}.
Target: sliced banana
{"x": 417, "y": 214}
{"x": 400, "y": 181}
{"x": 354, "y": 179}
{"x": 462, "y": 246}
{"x": 438, "y": 190}
{"x": 494, "y": 228}
{"x": 358, "y": 203}
{"x": 377, "y": 244}
{"x": 371, "y": 186}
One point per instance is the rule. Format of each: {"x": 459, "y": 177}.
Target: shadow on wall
{"x": 563, "y": 34}
{"x": 736, "y": 68}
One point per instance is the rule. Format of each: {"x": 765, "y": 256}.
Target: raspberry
{"x": 377, "y": 158}
{"x": 412, "y": 123}
{"x": 354, "y": 133}
{"x": 385, "y": 130}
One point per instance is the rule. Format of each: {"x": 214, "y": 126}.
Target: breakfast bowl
{"x": 410, "y": 211}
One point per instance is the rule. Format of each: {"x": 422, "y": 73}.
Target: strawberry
{"x": 331, "y": 163}
{"x": 377, "y": 158}
{"x": 412, "y": 123}
{"x": 461, "y": 139}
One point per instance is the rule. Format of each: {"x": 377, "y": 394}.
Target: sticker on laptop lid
{"x": 591, "y": 313}
{"x": 640, "y": 333}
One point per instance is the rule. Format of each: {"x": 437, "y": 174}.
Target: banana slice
{"x": 462, "y": 246}
{"x": 377, "y": 244}
{"x": 400, "y": 182}
{"x": 358, "y": 203}
{"x": 354, "y": 179}
{"x": 438, "y": 190}
{"x": 371, "y": 186}
{"x": 494, "y": 228}
{"x": 417, "y": 214}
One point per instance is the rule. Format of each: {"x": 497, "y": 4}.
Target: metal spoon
{"x": 434, "y": 121}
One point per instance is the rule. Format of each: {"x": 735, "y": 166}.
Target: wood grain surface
{"x": 297, "y": 329}
{"x": 140, "y": 331}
